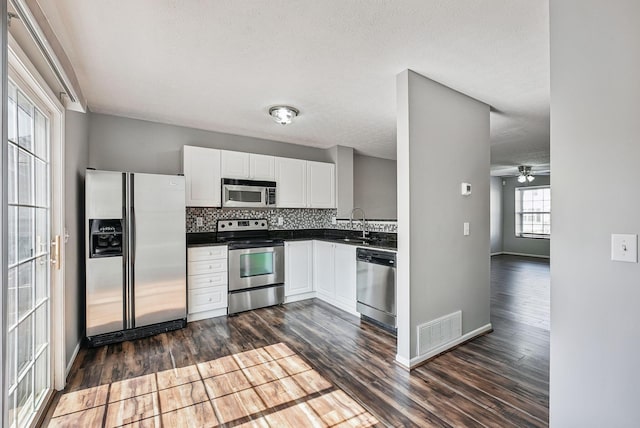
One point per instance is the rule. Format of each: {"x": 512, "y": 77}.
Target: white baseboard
{"x": 72, "y": 359}
{"x": 405, "y": 363}
{"x": 511, "y": 253}
{"x": 206, "y": 314}
{"x": 299, "y": 297}
{"x": 415, "y": 361}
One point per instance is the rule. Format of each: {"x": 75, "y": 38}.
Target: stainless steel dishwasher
{"x": 376, "y": 286}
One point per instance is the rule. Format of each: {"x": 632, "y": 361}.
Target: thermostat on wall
{"x": 465, "y": 189}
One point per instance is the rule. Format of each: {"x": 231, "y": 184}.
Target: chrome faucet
{"x": 364, "y": 222}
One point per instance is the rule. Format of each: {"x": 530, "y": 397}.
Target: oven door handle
{"x": 256, "y": 250}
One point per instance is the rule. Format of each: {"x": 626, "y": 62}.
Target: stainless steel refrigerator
{"x": 135, "y": 255}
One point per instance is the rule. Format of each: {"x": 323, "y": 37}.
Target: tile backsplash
{"x": 293, "y": 218}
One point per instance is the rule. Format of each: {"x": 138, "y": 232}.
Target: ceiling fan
{"x": 525, "y": 174}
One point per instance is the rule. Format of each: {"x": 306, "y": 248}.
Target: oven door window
{"x": 256, "y": 264}
{"x": 244, "y": 196}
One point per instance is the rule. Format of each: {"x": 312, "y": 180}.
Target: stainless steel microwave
{"x": 248, "y": 193}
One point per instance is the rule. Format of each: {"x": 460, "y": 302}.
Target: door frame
{"x": 24, "y": 72}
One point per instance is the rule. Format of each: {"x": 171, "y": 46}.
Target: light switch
{"x": 624, "y": 248}
{"x": 466, "y": 228}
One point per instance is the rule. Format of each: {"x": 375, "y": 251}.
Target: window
{"x": 533, "y": 212}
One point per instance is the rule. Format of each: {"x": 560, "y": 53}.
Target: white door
{"x": 345, "y": 276}
{"x": 323, "y": 270}
{"x": 299, "y": 265}
{"x": 262, "y": 167}
{"x": 29, "y": 288}
{"x": 202, "y": 176}
{"x": 321, "y": 185}
{"x": 235, "y": 165}
{"x": 291, "y": 178}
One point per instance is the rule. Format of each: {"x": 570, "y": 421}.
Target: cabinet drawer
{"x": 207, "y": 266}
{"x": 206, "y": 299}
{"x": 210, "y": 280}
{"x": 207, "y": 253}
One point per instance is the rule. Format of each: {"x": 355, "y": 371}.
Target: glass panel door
{"x": 28, "y": 307}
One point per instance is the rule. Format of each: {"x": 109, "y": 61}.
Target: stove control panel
{"x": 238, "y": 225}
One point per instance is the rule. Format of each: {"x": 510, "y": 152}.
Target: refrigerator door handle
{"x": 132, "y": 255}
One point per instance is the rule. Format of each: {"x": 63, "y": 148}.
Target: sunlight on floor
{"x": 266, "y": 387}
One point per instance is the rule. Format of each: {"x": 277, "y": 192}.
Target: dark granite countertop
{"x": 381, "y": 240}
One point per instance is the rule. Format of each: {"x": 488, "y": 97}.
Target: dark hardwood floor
{"x": 310, "y": 363}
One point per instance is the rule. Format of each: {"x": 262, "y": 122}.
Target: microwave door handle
{"x": 266, "y": 196}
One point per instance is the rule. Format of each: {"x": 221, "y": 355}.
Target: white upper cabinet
{"x": 201, "y": 168}
{"x": 291, "y": 177}
{"x": 262, "y": 167}
{"x": 235, "y": 164}
{"x": 248, "y": 166}
{"x": 321, "y": 185}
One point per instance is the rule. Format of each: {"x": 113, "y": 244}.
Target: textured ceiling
{"x": 219, "y": 65}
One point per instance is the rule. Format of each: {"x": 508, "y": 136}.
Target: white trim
{"x": 403, "y": 362}
{"x": 206, "y": 314}
{"x": 21, "y": 69}
{"x": 73, "y": 358}
{"x": 299, "y": 297}
{"x": 415, "y": 361}
{"x": 35, "y": 23}
{"x": 510, "y": 253}
{"x": 496, "y": 254}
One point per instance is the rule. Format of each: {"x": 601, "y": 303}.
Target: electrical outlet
{"x": 334, "y": 220}
{"x": 199, "y": 222}
{"x": 465, "y": 228}
{"x": 280, "y": 221}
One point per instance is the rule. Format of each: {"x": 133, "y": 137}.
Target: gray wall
{"x": 496, "y": 214}
{"x": 595, "y": 106}
{"x": 76, "y": 161}
{"x": 511, "y": 243}
{"x": 123, "y": 144}
{"x": 375, "y": 187}
{"x": 440, "y": 271}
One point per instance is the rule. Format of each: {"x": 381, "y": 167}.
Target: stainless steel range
{"x": 256, "y": 264}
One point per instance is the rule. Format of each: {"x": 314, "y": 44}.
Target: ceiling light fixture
{"x": 525, "y": 174}
{"x": 283, "y": 114}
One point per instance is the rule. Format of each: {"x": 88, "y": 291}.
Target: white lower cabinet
{"x": 298, "y": 282}
{"x": 334, "y": 274}
{"x": 207, "y": 280}
{"x": 345, "y": 277}
{"x": 323, "y": 272}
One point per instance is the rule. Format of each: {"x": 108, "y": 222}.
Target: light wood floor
{"x": 309, "y": 364}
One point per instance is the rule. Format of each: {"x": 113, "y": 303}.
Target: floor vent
{"x": 438, "y": 332}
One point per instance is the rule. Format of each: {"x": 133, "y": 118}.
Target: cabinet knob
{"x": 210, "y": 280}
{"x": 210, "y": 299}
{"x": 210, "y": 253}
{"x": 210, "y": 267}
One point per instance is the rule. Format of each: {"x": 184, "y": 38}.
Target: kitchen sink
{"x": 355, "y": 241}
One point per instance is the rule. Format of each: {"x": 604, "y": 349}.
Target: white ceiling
{"x": 219, "y": 65}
